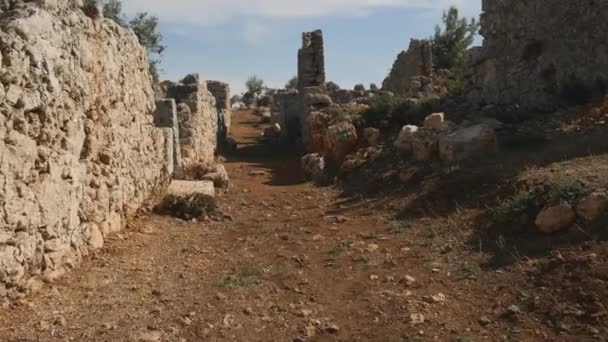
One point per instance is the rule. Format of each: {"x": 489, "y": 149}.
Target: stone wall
{"x": 289, "y": 115}
{"x": 311, "y": 60}
{"x": 198, "y": 121}
{"x": 412, "y": 70}
{"x": 79, "y": 153}
{"x": 538, "y": 54}
{"x": 221, "y": 92}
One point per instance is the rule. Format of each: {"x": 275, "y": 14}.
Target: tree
{"x": 373, "y": 87}
{"x": 112, "y": 9}
{"x": 292, "y": 83}
{"x": 254, "y": 85}
{"x": 450, "y": 44}
{"x": 236, "y": 99}
{"x": 145, "y": 27}
{"x": 332, "y": 86}
{"x": 359, "y": 87}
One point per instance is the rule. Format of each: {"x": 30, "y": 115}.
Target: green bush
{"x": 382, "y": 106}
{"x": 511, "y": 208}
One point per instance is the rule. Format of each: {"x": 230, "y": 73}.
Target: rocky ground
{"x": 288, "y": 261}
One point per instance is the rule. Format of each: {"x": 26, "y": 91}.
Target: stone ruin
{"x": 311, "y": 60}
{"x": 221, "y": 92}
{"x": 83, "y": 145}
{"x": 412, "y": 72}
{"x": 540, "y": 54}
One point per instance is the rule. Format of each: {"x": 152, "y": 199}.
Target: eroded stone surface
{"x": 79, "y": 152}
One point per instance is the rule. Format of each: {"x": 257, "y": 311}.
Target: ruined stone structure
{"x": 165, "y": 117}
{"x": 538, "y": 54}
{"x": 412, "y": 71}
{"x": 221, "y": 92}
{"x": 198, "y": 120}
{"x": 289, "y": 115}
{"x": 79, "y": 153}
{"x": 311, "y": 60}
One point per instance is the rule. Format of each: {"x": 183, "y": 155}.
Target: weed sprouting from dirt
{"x": 512, "y": 207}
{"x": 398, "y": 227}
{"x": 187, "y": 207}
{"x": 247, "y": 276}
{"x": 568, "y": 190}
{"x": 339, "y": 249}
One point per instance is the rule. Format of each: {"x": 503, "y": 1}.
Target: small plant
{"x": 339, "y": 249}
{"x": 512, "y": 207}
{"x": 567, "y": 190}
{"x": 398, "y": 227}
{"x": 381, "y": 107}
{"x": 247, "y": 276}
{"x": 188, "y": 207}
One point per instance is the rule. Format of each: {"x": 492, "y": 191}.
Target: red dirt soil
{"x": 290, "y": 262}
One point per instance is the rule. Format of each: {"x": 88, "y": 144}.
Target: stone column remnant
{"x": 221, "y": 92}
{"x": 311, "y": 60}
{"x": 165, "y": 116}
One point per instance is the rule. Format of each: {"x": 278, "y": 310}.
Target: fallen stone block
{"x": 425, "y": 145}
{"x": 592, "y": 206}
{"x": 555, "y": 218}
{"x": 468, "y": 142}
{"x": 219, "y": 177}
{"x": 404, "y": 141}
{"x": 340, "y": 140}
{"x": 189, "y": 199}
{"x": 434, "y": 121}
{"x": 313, "y": 166}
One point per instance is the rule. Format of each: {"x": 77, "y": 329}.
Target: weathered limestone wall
{"x": 411, "y": 69}
{"x": 311, "y": 60}
{"x": 198, "y": 121}
{"x": 289, "y": 116}
{"x": 541, "y": 53}
{"x": 79, "y": 152}
{"x": 221, "y": 92}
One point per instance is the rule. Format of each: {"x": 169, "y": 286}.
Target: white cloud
{"x": 209, "y": 12}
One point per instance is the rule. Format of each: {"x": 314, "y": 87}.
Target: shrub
{"x": 513, "y": 207}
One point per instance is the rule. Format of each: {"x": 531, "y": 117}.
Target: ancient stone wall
{"x": 221, "y": 92}
{"x": 412, "y": 70}
{"x": 289, "y": 115}
{"x": 79, "y": 153}
{"x": 538, "y": 54}
{"x": 198, "y": 120}
{"x": 311, "y": 60}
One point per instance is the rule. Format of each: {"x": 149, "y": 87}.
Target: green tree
{"x": 255, "y": 85}
{"x": 451, "y": 42}
{"x": 112, "y": 9}
{"x": 292, "y": 83}
{"x": 332, "y": 86}
{"x": 145, "y": 27}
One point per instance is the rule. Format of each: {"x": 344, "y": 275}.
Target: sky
{"x": 230, "y": 40}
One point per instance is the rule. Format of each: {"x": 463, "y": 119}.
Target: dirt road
{"x": 290, "y": 262}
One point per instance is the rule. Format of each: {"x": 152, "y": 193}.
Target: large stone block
{"x": 468, "y": 142}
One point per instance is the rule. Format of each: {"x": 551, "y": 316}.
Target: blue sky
{"x": 230, "y": 40}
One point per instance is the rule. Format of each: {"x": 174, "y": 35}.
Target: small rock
{"x": 372, "y": 247}
{"x": 248, "y": 311}
{"x": 374, "y": 277}
{"x": 512, "y": 310}
{"x": 332, "y": 328}
{"x": 416, "y": 318}
{"x": 408, "y": 280}
{"x": 483, "y": 320}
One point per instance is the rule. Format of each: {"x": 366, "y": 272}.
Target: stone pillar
{"x": 221, "y": 92}
{"x": 197, "y": 116}
{"x": 165, "y": 116}
{"x": 311, "y": 60}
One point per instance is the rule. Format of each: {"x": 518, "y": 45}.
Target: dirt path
{"x": 293, "y": 262}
